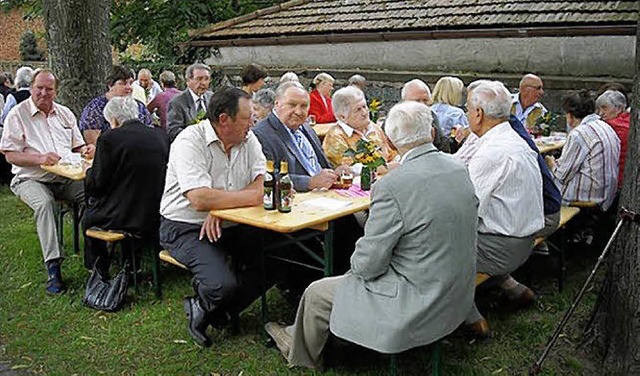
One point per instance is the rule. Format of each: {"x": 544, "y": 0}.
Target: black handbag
{"x": 106, "y": 295}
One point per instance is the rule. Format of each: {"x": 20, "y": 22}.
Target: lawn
{"x": 59, "y": 336}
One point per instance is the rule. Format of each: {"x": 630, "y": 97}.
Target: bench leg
{"x": 76, "y": 227}
{"x": 435, "y": 359}
{"x": 393, "y": 365}
{"x": 155, "y": 269}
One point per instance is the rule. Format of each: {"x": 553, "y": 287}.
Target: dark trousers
{"x": 221, "y": 284}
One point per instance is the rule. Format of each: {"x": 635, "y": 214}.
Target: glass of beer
{"x": 346, "y": 179}
{"x": 312, "y": 120}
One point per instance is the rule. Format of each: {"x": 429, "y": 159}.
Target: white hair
{"x": 289, "y": 76}
{"x": 343, "y": 98}
{"x": 322, "y": 77}
{"x": 284, "y": 86}
{"x": 264, "y": 97}
{"x": 409, "y": 124}
{"x": 493, "y": 97}
{"x": 612, "y": 98}
{"x": 120, "y": 109}
{"x": 144, "y": 71}
{"x": 357, "y": 79}
{"x": 418, "y": 83}
{"x": 23, "y": 77}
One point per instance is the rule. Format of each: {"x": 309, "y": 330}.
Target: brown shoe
{"x": 280, "y": 337}
{"x": 526, "y": 299}
{"x": 479, "y": 329}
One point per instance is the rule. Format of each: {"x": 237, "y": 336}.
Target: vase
{"x": 366, "y": 178}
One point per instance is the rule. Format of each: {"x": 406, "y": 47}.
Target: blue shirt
{"x": 550, "y": 192}
{"x": 449, "y": 116}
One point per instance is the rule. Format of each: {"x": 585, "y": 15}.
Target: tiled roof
{"x": 323, "y": 17}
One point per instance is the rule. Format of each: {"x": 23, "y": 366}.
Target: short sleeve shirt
{"x": 27, "y": 129}
{"x": 197, "y": 160}
{"x": 93, "y": 119}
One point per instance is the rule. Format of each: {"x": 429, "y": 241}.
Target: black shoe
{"x": 197, "y": 321}
{"x": 54, "y": 285}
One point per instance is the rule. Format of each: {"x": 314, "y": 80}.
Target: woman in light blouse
{"x": 352, "y": 113}
{"x": 447, "y": 96}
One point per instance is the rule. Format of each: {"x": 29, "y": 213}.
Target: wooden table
{"x": 545, "y": 146}
{"x": 73, "y": 172}
{"x": 322, "y": 129}
{"x": 302, "y": 216}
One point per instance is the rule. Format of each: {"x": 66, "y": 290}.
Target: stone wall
{"x": 564, "y": 63}
{"x": 12, "y": 27}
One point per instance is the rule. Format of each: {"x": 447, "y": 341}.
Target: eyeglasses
{"x": 538, "y": 87}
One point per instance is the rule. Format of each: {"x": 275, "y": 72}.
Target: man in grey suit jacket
{"x": 184, "y": 108}
{"x": 412, "y": 273}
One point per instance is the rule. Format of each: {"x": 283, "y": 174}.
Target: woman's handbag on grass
{"x": 106, "y": 295}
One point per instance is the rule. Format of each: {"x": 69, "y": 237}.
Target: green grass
{"x": 59, "y": 336}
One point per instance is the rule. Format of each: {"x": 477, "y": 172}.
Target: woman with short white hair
{"x": 611, "y": 106}
{"x": 22, "y": 83}
{"x": 119, "y": 110}
{"x": 320, "y": 98}
{"x": 350, "y": 109}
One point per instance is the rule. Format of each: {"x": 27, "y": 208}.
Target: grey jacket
{"x": 412, "y": 273}
{"x": 182, "y": 111}
{"x": 277, "y": 146}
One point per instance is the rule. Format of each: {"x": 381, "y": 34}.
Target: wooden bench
{"x": 166, "y": 257}
{"x": 113, "y": 238}
{"x": 567, "y": 213}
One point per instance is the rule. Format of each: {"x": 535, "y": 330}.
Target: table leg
{"x": 75, "y": 209}
{"x": 328, "y": 251}
{"x": 263, "y": 281}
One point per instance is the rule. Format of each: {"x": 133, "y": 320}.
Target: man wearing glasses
{"x": 526, "y": 104}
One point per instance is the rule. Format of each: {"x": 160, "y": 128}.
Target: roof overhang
{"x": 382, "y": 36}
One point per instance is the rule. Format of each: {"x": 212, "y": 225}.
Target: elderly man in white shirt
{"x": 39, "y": 131}
{"x": 525, "y": 104}
{"x": 508, "y": 183}
{"x": 215, "y": 164}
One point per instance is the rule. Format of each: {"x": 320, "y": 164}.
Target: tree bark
{"x": 78, "y": 37}
{"x": 614, "y": 335}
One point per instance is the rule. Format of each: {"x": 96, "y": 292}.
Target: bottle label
{"x": 285, "y": 200}
{"x": 268, "y": 198}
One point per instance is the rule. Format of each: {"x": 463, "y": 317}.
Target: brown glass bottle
{"x": 285, "y": 189}
{"x": 269, "y": 195}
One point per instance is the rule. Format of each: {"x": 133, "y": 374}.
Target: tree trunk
{"x": 79, "y": 44}
{"x": 614, "y": 335}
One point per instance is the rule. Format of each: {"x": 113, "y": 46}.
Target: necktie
{"x": 201, "y": 107}
{"x": 310, "y": 162}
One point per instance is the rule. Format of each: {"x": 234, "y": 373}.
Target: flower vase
{"x": 366, "y": 178}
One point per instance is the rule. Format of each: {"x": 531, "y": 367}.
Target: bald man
{"x": 526, "y": 104}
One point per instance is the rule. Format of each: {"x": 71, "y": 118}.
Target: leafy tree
{"x": 159, "y": 25}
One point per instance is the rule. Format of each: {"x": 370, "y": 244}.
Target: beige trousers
{"x": 41, "y": 197}
{"x": 310, "y": 330}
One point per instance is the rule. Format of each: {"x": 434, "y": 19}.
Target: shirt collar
{"x": 195, "y": 96}
{"x": 515, "y": 98}
{"x": 210, "y": 135}
{"x": 347, "y": 129}
{"x": 33, "y": 109}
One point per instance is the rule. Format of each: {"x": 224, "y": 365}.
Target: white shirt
{"x": 523, "y": 113}
{"x": 505, "y": 173}
{"x": 155, "y": 90}
{"x": 27, "y": 129}
{"x": 197, "y": 159}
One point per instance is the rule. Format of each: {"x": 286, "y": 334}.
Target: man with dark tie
{"x": 190, "y": 106}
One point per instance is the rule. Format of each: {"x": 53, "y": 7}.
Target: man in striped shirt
{"x": 588, "y": 167}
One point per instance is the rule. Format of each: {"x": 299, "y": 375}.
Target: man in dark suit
{"x": 285, "y": 136}
{"x": 124, "y": 186}
{"x": 190, "y": 107}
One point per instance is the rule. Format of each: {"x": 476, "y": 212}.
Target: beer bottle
{"x": 285, "y": 188}
{"x": 269, "y": 196}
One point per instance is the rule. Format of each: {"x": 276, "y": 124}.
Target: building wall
{"x": 564, "y": 63}
{"x": 11, "y": 30}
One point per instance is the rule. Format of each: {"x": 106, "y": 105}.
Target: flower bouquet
{"x": 366, "y": 153}
{"x": 374, "y": 107}
{"x": 544, "y": 124}
{"x": 199, "y": 117}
